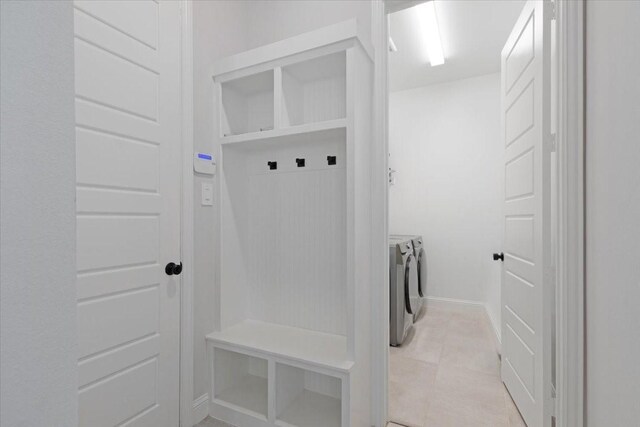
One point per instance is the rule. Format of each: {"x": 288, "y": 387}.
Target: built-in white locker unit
{"x": 291, "y": 345}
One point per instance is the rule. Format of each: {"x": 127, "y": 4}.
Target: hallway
{"x": 448, "y": 372}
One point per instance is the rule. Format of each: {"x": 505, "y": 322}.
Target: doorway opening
{"x": 471, "y": 214}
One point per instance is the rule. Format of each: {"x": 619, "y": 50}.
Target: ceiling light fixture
{"x": 428, "y": 24}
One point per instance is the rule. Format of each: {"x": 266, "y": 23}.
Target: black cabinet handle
{"x": 173, "y": 268}
{"x": 498, "y": 257}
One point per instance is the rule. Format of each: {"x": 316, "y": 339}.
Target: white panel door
{"x": 128, "y": 155}
{"x": 526, "y": 355}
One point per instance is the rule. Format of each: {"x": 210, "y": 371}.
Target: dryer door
{"x": 411, "y": 293}
{"x": 422, "y": 273}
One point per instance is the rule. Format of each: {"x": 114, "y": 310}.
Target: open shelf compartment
{"x": 247, "y": 104}
{"x": 314, "y": 90}
{"x": 306, "y": 398}
{"x": 240, "y": 380}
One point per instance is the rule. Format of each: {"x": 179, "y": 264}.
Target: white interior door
{"x": 127, "y": 73}
{"x": 526, "y": 355}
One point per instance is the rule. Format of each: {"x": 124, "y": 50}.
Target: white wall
{"x": 444, "y": 142}
{"x": 270, "y": 21}
{"x": 613, "y": 213}
{"x": 37, "y": 211}
{"x": 219, "y": 29}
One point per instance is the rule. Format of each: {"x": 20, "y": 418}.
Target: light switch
{"x": 207, "y": 194}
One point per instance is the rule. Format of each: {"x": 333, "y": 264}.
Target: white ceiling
{"x": 473, "y": 33}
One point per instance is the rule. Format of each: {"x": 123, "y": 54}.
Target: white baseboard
{"x": 438, "y": 300}
{"x": 200, "y": 408}
{"x": 496, "y": 329}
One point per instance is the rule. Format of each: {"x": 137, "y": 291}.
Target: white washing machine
{"x": 421, "y": 261}
{"x": 404, "y": 298}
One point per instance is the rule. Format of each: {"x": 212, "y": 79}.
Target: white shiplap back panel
{"x": 296, "y": 245}
{"x": 293, "y": 101}
{"x": 247, "y": 104}
{"x": 289, "y": 385}
{"x": 324, "y": 99}
{"x": 323, "y": 384}
{"x": 260, "y": 112}
{"x": 234, "y": 215}
{"x": 315, "y": 90}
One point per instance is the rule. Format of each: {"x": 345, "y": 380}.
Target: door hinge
{"x": 553, "y": 144}
{"x": 551, "y": 14}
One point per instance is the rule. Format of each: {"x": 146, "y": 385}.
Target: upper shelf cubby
{"x": 314, "y": 90}
{"x": 247, "y": 104}
{"x": 288, "y": 88}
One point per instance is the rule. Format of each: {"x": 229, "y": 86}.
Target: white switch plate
{"x": 207, "y": 194}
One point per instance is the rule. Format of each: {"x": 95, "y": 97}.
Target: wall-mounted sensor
{"x": 300, "y": 163}
{"x": 272, "y": 165}
{"x": 331, "y": 160}
{"x": 204, "y": 163}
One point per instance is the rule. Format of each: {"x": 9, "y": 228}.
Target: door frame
{"x": 570, "y": 262}
{"x": 568, "y": 407}
{"x": 187, "y": 210}
{"x": 380, "y": 218}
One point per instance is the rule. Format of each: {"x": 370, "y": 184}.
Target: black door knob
{"x": 173, "y": 268}
{"x": 498, "y": 257}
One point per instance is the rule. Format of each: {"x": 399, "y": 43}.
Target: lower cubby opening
{"x": 307, "y": 399}
{"x": 241, "y": 380}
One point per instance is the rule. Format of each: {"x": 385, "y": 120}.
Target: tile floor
{"x": 210, "y": 422}
{"x": 447, "y": 373}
